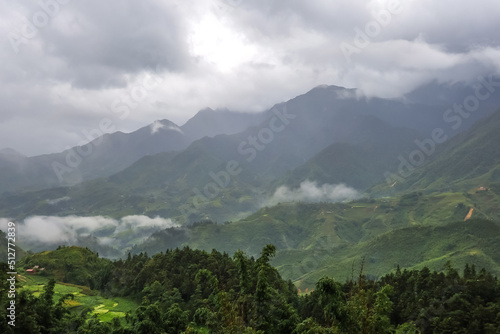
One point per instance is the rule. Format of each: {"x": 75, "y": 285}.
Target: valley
{"x": 250, "y": 167}
{"x": 275, "y": 183}
{"x": 323, "y": 188}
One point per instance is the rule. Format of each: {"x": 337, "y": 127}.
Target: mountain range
{"x": 397, "y": 168}
{"x": 107, "y": 154}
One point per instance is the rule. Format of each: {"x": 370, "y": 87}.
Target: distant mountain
{"x": 358, "y": 165}
{"x": 221, "y": 186}
{"x": 6, "y": 152}
{"x": 328, "y": 135}
{"x": 114, "y": 152}
{"x": 469, "y": 160}
{"x": 102, "y": 156}
{"x": 209, "y": 122}
{"x": 295, "y": 131}
{"x": 18, "y": 171}
{"x": 322, "y": 112}
{"x": 437, "y": 100}
{"x": 195, "y": 184}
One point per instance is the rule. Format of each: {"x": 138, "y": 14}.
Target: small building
{"x": 34, "y": 270}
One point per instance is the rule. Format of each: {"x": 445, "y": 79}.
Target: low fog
{"x": 107, "y": 235}
{"x": 309, "y": 191}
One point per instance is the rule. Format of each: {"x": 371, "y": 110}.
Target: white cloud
{"x": 309, "y": 191}
{"x": 46, "y": 229}
{"x": 143, "y": 222}
{"x": 57, "y": 200}
{"x": 156, "y": 126}
{"x": 68, "y": 230}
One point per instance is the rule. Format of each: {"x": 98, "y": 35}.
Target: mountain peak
{"x": 323, "y": 86}
{"x": 209, "y": 111}
{"x": 329, "y": 87}
{"x": 340, "y": 92}
{"x": 206, "y": 110}
{"x": 11, "y": 152}
{"x": 164, "y": 124}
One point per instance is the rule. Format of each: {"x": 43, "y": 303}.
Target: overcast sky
{"x": 66, "y": 67}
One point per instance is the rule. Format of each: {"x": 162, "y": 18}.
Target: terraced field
{"x": 104, "y": 308}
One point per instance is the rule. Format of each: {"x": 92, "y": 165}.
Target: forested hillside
{"x": 192, "y": 291}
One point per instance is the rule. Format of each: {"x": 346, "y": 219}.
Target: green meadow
{"x": 104, "y": 308}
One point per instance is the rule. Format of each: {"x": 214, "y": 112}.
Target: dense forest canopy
{"x": 193, "y": 291}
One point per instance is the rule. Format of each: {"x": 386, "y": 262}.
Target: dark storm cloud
{"x": 245, "y": 55}
{"x": 99, "y": 43}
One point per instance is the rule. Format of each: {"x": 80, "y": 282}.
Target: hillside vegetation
{"x": 469, "y": 160}
{"x": 192, "y": 291}
{"x": 313, "y": 239}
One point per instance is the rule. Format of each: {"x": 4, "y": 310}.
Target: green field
{"x": 104, "y": 308}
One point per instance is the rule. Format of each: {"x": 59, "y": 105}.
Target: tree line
{"x": 193, "y": 291}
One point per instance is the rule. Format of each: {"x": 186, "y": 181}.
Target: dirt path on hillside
{"x": 469, "y": 214}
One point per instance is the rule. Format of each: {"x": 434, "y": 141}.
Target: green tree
{"x": 330, "y": 300}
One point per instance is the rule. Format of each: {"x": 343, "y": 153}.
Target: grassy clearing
{"x": 104, "y": 308}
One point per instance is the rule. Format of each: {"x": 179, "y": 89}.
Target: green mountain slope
{"x": 359, "y": 165}
{"x": 471, "y": 242}
{"x": 164, "y": 184}
{"x": 327, "y": 238}
{"x": 302, "y": 225}
{"x": 469, "y": 160}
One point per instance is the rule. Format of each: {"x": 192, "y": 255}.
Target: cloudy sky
{"x": 66, "y": 65}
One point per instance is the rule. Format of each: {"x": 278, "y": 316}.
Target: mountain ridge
{"x": 107, "y": 153}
